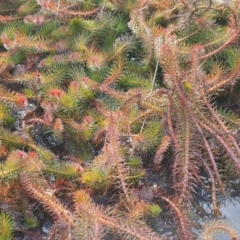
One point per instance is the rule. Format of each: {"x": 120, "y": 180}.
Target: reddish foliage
{"x": 55, "y": 93}
{"x": 21, "y": 100}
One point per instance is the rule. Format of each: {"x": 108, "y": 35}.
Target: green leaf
{"x": 154, "y": 210}
{"x": 30, "y": 221}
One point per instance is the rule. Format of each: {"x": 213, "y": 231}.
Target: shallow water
{"x": 230, "y": 211}
{"x": 231, "y": 214}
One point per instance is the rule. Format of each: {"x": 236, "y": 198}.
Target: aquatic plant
{"x": 213, "y": 227}
{"x": 97, "y": 95}
{"x": 6, "y": 225}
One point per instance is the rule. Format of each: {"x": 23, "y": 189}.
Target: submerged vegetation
{"x": 97, "y": 96}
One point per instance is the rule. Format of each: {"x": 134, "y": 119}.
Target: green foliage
{"x": 96, "y": 96}
{"x": 76, "y": 26}
{"x": 232, "y": 56}
{"x": 96, "y": 178}
{"x": 66, "y": 169}
{"x": 222, "y": 17}
{"x": 4, "y": 114}
{"x": 134, "y": 161}
{"x": 46, "y": 29}
{"x": 29, "y": 7}
{"x": 30, "y": 221}
{"x": 10, "y": 139}
{"x": 19, "y": 56}
{"x": 154, "y": 210}
{"x": 54, "y": 75}
{"x": 148, "y": 139}
{"x": 6, "y": 226}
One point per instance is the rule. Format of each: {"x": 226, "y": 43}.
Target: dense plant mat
{"x": 96, "y": 97}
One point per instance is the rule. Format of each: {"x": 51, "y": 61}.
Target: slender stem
{"x": 222, "y": 125}
{"x": 214, "y": 197}
{"x": 234, "y": 36}
{"x": 154, "y": 77}
{"x": 210, "y": 154}
{"x": 228, "y": 149}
